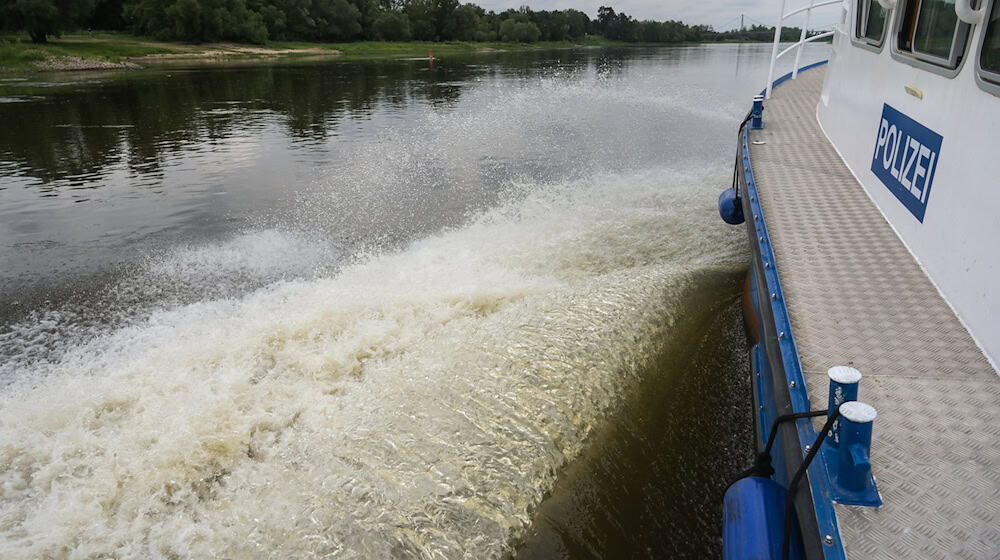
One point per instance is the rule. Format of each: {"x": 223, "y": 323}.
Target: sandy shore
{"x": 228, "y": 50}
{"x": 77, "y": 63}
{"x": 207, "y": 52}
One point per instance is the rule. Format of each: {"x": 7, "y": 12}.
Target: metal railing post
{"x": 774, "y": 49}
{"x": 802, "y": 41}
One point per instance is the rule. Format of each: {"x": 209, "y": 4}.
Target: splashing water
{"x": 401, "y": 360}
{"x": 416, "y": 403}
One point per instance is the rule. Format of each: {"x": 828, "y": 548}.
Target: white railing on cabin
{"x": 965, "y": 11}
{"x": 964, "y": 8}
{"x": 782, "y": 16}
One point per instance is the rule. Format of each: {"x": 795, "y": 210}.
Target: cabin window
{"x": 871, "y": 22}
{"x": 931, "y": 31}
{"x": 989, "y": 57}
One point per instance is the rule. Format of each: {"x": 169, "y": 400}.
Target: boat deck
{"x": 857, "y": 297}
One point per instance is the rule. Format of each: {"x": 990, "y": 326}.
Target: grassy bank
{"x": 18, "y": 54}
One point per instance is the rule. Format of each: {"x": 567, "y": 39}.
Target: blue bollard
{"x": 855, "y": 466}
{"x": 757, "y": 115}
{"x": 843, "y": 388}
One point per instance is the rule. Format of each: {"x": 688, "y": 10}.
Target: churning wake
{"x": 417, "y": 403}
{"x": 414, "y": 403}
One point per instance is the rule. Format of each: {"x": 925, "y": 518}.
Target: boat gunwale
{"x": 821, "y": 534}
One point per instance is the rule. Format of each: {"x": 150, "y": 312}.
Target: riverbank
{"x": 107, "y": 51}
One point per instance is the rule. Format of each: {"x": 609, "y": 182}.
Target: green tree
{"x": 464, "y": 22}
{"x": 106, "y": 15}
{"x": 336, "y": 20}
{"x": 344, "y": 20}
{"x": 42, "y": 18}
{"x": 606, "y": 18}
{"x": 196, "y": 20}
{"x": 186, "y": 19}
{"x": 514, "y": 31}
{"x": 392, "y": 26}
{"x": 421, "y": 15}
{"x": 444, "y": 11}
{"x": 275, "y": 20}
{"x": 298, "y": 23}
{"x": 370, "y": 11}
{"x": 554, "y": 25}
{"x": 579, "y": 23}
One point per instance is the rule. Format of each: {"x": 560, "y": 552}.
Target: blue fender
{"x": 731, "y": 207}
{"x": 753, "y": 521}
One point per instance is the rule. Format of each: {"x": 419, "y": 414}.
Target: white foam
{"x": 262, "y": 253}
{"x": 417, "y": 403}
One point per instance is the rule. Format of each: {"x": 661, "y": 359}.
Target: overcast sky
{"x": 723, "y": 14}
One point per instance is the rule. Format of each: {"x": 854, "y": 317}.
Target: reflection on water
{"x": 371, "y": 309}
{"x": 74, "y": 133}
{"x": 76, "y": 130}
{"x": 124, "y": 165}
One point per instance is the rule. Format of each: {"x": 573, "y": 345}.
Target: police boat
{"x": 868, "y": 188}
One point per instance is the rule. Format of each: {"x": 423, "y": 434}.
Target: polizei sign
{"x": 906, "y": 156}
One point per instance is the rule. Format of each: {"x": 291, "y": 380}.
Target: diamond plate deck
{"x": 857, "y": 297}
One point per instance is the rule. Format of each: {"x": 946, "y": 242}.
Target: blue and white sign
{"x": 906, "y": 156}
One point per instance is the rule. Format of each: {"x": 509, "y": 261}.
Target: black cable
{"x": 736, "y": 177}
{"x": 762, "y": 465}
{"x": 739, "y": 146}
{"x": 793, "y": 485}
{"x": 787, "y": 417}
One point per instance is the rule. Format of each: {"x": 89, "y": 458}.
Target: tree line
{"x": 259, "y": 21}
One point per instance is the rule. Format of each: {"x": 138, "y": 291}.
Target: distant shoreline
{"x": 115, "y": 51}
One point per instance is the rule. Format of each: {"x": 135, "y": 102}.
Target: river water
{"x": 476, "y": 308}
